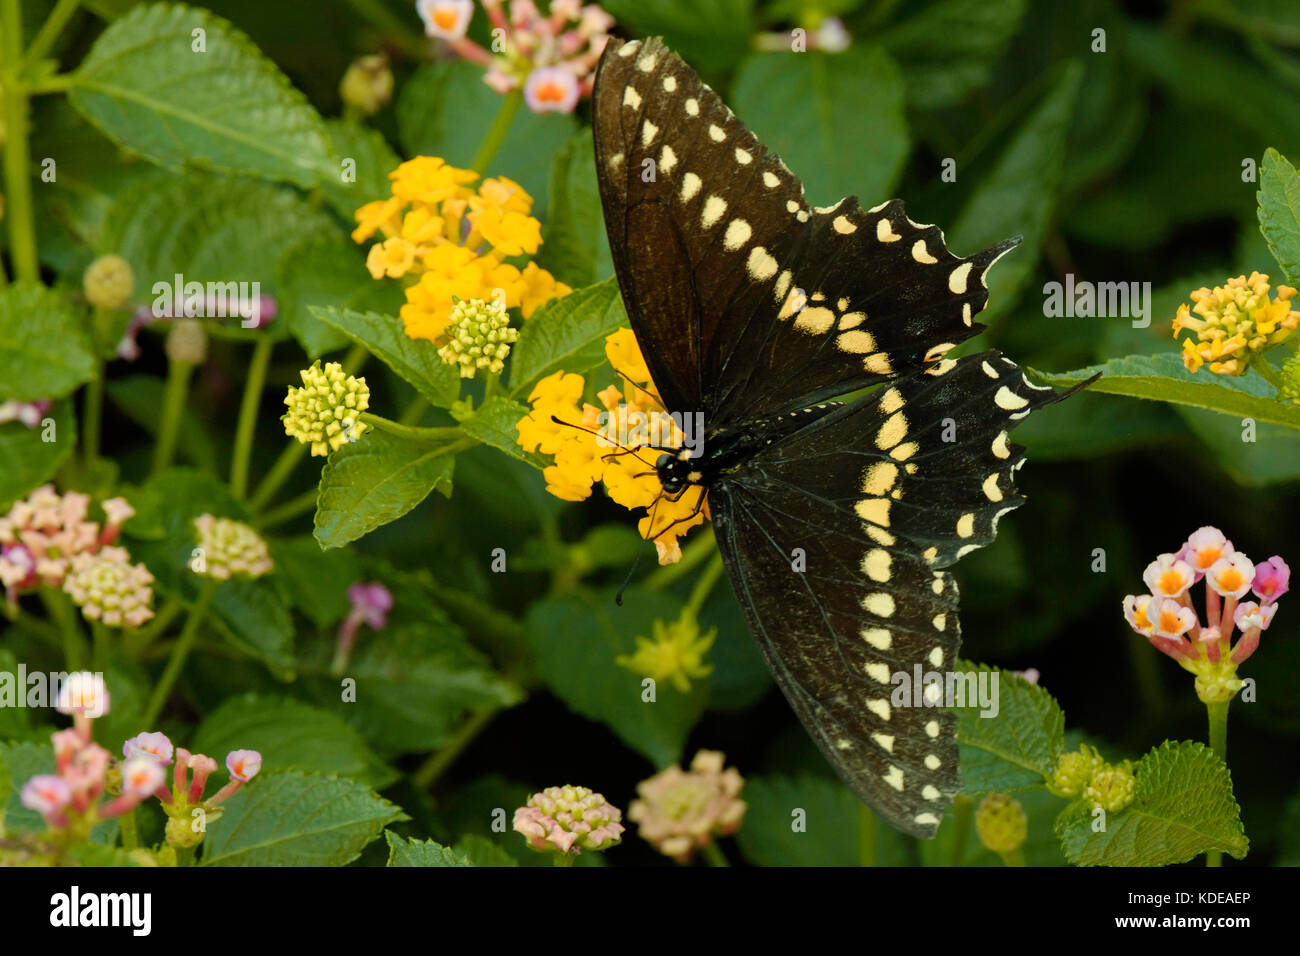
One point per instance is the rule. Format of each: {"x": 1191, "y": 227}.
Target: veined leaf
{"x": 566, "y": 334}
{"x": 493, "y": 423}
{"x": 44, "y": 352}
{"x": 575, "y": 249}
{"x": 327, "y": 271}
{"x": 28, "y": 459}
{"x": 147, "y": 84}
{"x": 375, "y": 480}
{"x": 1279, "y": 211}
{"x": 406, "y": 852}
{"x": 415, "y": 360}
{"x": 1162, "y": 378}
{"x": 1183, "y": 807}
{"x": 1019, "y": 745}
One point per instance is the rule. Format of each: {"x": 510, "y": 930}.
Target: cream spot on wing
{"x": 877, "y": 672}
{"x": 770, "y": 180}
{"x": 877, "y": 637}
{"x": 925, "y": 819}
{"x": 962, "y": 552}
{"x": 929, "y": 792}
{"x": 690, "y": 186}
{"x": 991, "y": 489}
{"x": 885, "y": 231}
{"x": 792, "y": 205}
{"x": 855, "y": 342}
{"x": 761, "y": 266}
{"x": 880, "y": 708}
{"x": 932, "y": 694}
{"x": 905, "y": 451}
{"x": 802, "y": 215}
{"x": 716, "y": 133}
{"x": 844, "y": 744}
{"x": 825, "y": 210}
{"x": 816, "y": 320}
{"x": 921, "y": 254}
{"x": 891, "y": 401}
{"x": 842, "y": 303}
{"x": 875, "y": 565}
{"x": 957, "y": 278}
{"x": 878, "y": 206}
{"x": 942, "y": 368}
{"x": 782, "y": 285}
{"x": 930, "y": 554}
{"x": 936, "y": 655}
{"x": 932, "y": 763}
{"x": 940, "y": 621}
{"x": 692, "y": 107}
{"x": 628, "y": 48}
{"x": 966, "y": 313}
{"x": 670, "y": 84}
{"x": 932, "y": 729}
{"x": 880, "y": 604}
{"x": 875, "y": 510}
{"x": 936, "y": 585}
{"x": 879, "y": 478}
{"x": 879, "y": 535}
{"x": 743, "y": 157}
{"x": 648, "y": 132}
{"x": 843, "y": 226}
{"x": 1000, "y": 446}
{"x": 714, "y": 208}
{"x": 989, "y": 370}
{"x": 966, "y": 526}
{"x": 794, "y": 302}
{"x": 632, "y": 98}
{"x": 885, "y": 742}
{"x": 647, "y": 63}
{"x": 738, "y": 233}
{"x": 878, "y": 363}
{"x": 1009, "y": 400}
{"x": 894, "y": 778}
{"x": 937, "y": 352}
{"x": 892, "y": 431}
{"x": 667, "y": 159}
{"x": 851, "y": 320}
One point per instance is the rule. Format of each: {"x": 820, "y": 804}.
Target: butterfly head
{"x": 677, "y": 471}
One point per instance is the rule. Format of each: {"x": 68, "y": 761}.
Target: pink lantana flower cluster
{"x": 47, "y": 540}
{"x": 569, "y": 820}
{"x": 1168, "y": 618}
{"x": 70, "y": 799}
{"x": 553, "y": 57}
{"x": 681, "y": 811}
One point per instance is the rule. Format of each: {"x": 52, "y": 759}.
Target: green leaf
{"x": 227, "y": 107}
{"x": 28, "y": 459}
{"x": 327, "y": 271}
{"x": 44, "y": 351}
{"x": 1162, "y": 378}
{"x": 799, "y": 105}
{"x": 1279, "y": 211}
{"x": 6, "y": 784}
{"x": 415, "y": 360}
{"x": 290, "y": 735}
{"x": 1183, "y": 807}
{"x": 810, "y": 821}
{"x": 575, "y": 248}
{"x": 1018, "y": 194}
{"x": 446, "y": 110}
{"x": 366, "y": 180}
{"x": 711, "y": 35}
{"x": 297, "y": 819}
{"x": 493, "y": 423}
{"x": 406, "y": 852}
{"x": 23, "y": 761}
{"x": 949, "y": 49}
{"x": 1272, "y": 458}
{"x": 1016, "y": 748}
{"x": 370, "y": 482}
{"x": 480, "y": 851}
{"x": 575, "y": 640}
{"x": 566, "y": 334}
{"x": 317, "y": 581}
{"x": 254, "y": 617}
{"x": 140, "y": 398}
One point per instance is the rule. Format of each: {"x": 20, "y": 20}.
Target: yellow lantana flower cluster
{"x": 1237, "y": 322}
{"x": 452, "y": 242}
{"x": 584, "y": 456}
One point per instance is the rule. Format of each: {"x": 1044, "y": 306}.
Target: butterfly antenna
{"x": 591, "y": 431}
{"x": 618, "y": 598}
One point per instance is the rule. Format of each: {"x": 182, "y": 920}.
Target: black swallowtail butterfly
{"x": 755, "y": 309}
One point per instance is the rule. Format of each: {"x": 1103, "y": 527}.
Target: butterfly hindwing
{"x": 745, "y": 300}
{"x": 875, "y": 497}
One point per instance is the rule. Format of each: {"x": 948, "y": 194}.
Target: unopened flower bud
{"x": 1001, "y": 823}
{"x": 108, "y": 282}
{"x": 187, "y": 342}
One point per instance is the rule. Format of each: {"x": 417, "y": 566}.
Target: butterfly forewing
{"x": 746, "y": 300}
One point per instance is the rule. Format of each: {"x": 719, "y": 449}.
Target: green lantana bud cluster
{"x": 1084, "y": 773}
{"x": 187, "y": 342}
{"x": 368, "y": 84}
{"x": 326, "y": 411}
{"x": 1290, "y": 390}
{"x": 1074, "y": 772}
{"x": 230, "y": 549}
{"x": 478, "y": 336}
{"x": 108, "y": 282}
{"x": 1001, "y": 823}
{"x": 1112, "y": 789}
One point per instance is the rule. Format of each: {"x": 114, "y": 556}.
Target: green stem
{"x": 415, "y": 411}
{"x": 130, "y": 833}
{"x": 440, "y": 760}
{"x": 496, "y": 135}
{"x": 294, "y": 451}
{"x": 1014, "y": 857}
{"x": 1218, "y": 714}
{"x": 963, "y": 808}
{"x": 703, "y": 585}
{"x": 93, "y": 413}
{"x": 564, "y": 859}
{"x": 866, "y": 836}
{"x": 176, "y": 662}
{"x": 74, "y": 642}
{"x": 142, "y": 637}
{"x": 50, "y": 30}
{"x": 178, "y": 386}
{"x": 248, "y": 415}
{"x": 100, "y": 637}
{"x": 410, "y": 431}
{"x": 714, "y": 855}
{"x": 693, "y": 555}
{"x": 185, "y": 856}
{"x": 17, "y": 149}
{"x": 1267, "y": 372}
{"x": 290, "y": 509}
